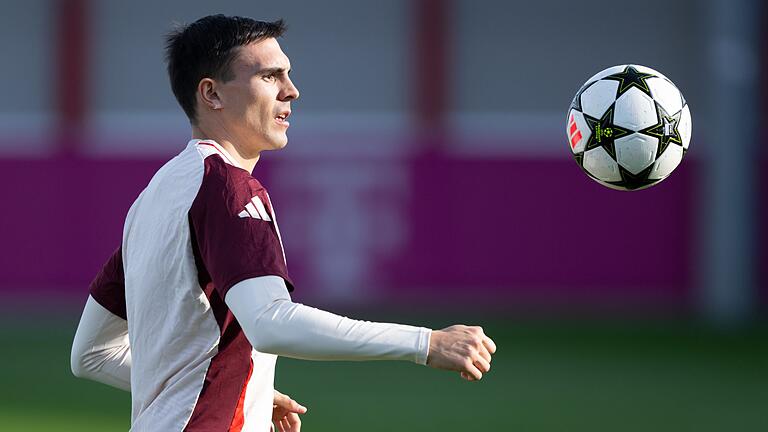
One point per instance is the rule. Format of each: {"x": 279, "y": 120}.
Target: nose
{"x": 290, "y": 92}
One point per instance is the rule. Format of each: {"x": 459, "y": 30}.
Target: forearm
{"x": 101, "y": 351}
{"x": 274, "y": 324}
{"x": 295, "y": 330}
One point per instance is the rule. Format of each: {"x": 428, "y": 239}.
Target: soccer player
{"x": 191, "y": 311}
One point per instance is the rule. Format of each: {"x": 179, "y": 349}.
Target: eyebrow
{"x": 273, "y": 70}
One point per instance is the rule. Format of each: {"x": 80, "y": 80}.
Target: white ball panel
{"x": 647, "y": 70}
{"x": 605, "y": 72}
{"x": 635, "y": 110}
{"x": 601, "y": 165}
{"x": 598, "y": 97}
{"x": 666, "y": 94}
{"x": 583, "y": 129}
{"x": 684, "y": 127}
{"x": 667, "y": 162}
{"x": 636, "y": 152}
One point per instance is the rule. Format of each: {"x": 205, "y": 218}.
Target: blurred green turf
{"x": 569, "y": 376}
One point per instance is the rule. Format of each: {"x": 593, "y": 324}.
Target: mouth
{"x": 282, "y": 117}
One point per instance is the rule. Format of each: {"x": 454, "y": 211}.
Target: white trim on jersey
{"x": 277, "y": 228}
{"x": 209, "y": 147}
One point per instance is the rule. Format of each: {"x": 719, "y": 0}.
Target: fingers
{"x": 483, "y": 352}
{"x": 285, "y": 413}
{"x": 485, "y": 346}
{"x": 482, "y": 365}
{"x": 290, "y": 423}
{"x": 282, "y": 425}
{"x": 461, "y": 348}
{"x": 472, "y": 370}
{"x": 294, "y": 422}
{"x": 297, "y": 408}
{"x": 288, "y": 404}
{"x": 481, "y": 358}
{"x": 490, "y": 345}
{"x": 281, "y": 400}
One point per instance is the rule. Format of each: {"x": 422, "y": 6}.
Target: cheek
{"x": 260, "y": 104}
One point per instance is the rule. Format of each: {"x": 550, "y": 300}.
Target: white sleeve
{"x": 274, "y": 324}
{"x": 101, "y": 351}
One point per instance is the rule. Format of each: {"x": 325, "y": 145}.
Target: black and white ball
{"x": 628, "y": 127}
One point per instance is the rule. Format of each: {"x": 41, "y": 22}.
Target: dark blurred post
{"x": 729, "y": 226}
{"x": 431, "y": 68}
{"x": 71, "y": 73}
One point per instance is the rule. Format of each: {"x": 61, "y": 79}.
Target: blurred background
{"x": 427, "y": 180}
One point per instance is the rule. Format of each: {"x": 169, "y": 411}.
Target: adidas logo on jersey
{"x": 255, "y": 209}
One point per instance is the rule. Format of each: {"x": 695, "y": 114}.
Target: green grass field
{"x": 567, "y": 376}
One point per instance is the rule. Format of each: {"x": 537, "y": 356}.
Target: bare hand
{"x": 461, "y": 348}
{"x": 285, "y": 414}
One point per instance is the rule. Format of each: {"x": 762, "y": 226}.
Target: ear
{"x": 208, "y": 95}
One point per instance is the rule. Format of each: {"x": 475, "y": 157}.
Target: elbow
{"x": 260, "y": 347}
{"x": 80, "y": 362}
{"x": 262, "y": 341}
{"x": 76, "y": 364}
{"x": 265, "y": 332}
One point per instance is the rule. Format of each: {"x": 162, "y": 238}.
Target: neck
{"x": 247, "y": 161}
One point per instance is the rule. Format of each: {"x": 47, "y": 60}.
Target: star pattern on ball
{"x": 635, "y": 181}
{"x": 666, "y": 129}
{"x": 604, "y": 132}
{"x": 576, "y": 102}
{"x": 579, "y": 159}
{"x": 631, "y": 77}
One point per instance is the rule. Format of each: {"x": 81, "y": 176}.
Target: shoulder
{"x": 225, "y": 185}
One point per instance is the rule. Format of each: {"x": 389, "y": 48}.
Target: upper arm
{"x": 108, "y": 287}
{"x": 248, "y": 298}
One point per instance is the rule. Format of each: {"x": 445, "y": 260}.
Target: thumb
{"x": 285, "y": 402}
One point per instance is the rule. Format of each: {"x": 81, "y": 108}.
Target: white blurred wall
{"x": 513, "y": 66}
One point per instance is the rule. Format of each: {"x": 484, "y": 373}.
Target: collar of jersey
{"x": 215, "y": 147}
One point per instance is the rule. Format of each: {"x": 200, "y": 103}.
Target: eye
{"x": 270, "y": 77}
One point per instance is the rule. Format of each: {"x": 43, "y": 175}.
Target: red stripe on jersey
{"x": 227, "y": 373}
{"x": 239, "y": 420}
{"x": 227, "y": 250}
{"x": 229, "y": 369}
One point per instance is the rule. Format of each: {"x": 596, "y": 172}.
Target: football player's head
{"x": 230, "y": 74}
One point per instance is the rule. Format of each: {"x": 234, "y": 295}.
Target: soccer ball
{"x": 628, "y": 127}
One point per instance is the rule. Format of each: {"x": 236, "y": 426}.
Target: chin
{"x": 277, "y": 144}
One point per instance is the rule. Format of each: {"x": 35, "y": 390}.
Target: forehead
{"x": 262, "y": 54}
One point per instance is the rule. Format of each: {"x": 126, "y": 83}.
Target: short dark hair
{"x": 206, "y": 49}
